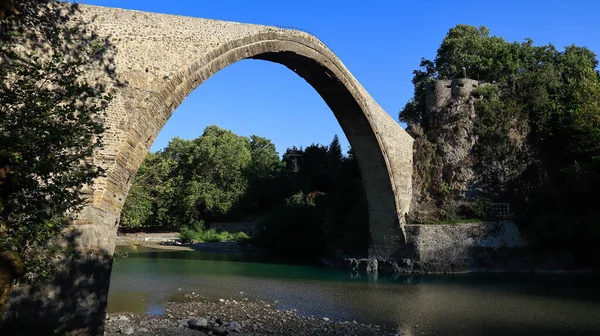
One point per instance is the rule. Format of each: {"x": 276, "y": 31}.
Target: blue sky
{"x": 381, "y": 42}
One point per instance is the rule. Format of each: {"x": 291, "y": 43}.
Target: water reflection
{"x": 458, "y": 305}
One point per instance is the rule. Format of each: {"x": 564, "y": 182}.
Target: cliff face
{"x": 443, "y": 178}
{"x": 453, "y": 133}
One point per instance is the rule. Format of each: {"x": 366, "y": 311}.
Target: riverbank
{"x": 438, "y": 249}
{"x": 170, "y": 241}
{"x": 196, "y": 315}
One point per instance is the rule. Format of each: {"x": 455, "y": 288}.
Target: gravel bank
{"x": 170, "y": 241}
{"x": 232, "y": 317}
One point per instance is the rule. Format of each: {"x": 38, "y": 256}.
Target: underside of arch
{"x": 328, "y": 77}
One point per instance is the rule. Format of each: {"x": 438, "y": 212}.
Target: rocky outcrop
{"x": 451, "y": 114}
{"x": 454, "y": 136}
{"x": 443, "y": 174}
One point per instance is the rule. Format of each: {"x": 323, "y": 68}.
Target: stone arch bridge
{"x": 160, "y": 59}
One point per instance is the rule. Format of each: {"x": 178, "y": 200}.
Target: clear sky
{"x": 381, "y": 43}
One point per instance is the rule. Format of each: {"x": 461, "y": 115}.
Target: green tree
{"x": 334, "y": 151}
{"x": 151, "y": 193}
{"x": 264, "y": 177}
{"x": 192, "y": 180}
{"x": 413, "y": 112}
{"x": 314, "y": 172}
{"x": 50, "y": 127}
{"x": 537, "y": 129}
{"x": 483, "y": 57}
{"x": 218, "y": 181}
{"x": 325, "y": 213}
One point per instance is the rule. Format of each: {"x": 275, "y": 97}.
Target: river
{"x": 499, "y": 304}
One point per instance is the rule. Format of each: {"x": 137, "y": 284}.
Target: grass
{"x": 197, "y": 233}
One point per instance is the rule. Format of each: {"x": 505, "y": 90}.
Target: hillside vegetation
{"x": 536, "y": 136}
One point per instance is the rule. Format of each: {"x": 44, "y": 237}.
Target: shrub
{"x": 197, "y": 233}
{"x": 211, "y": 236}
{"x": 481, "y": 208}
{"x": 187, "y": 235}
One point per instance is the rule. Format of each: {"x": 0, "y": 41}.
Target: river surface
{"x": 500, "y": 304}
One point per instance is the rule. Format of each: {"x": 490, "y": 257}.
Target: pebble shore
{"x": 196, "y": 315}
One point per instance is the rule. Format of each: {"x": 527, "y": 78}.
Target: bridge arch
{"x": 158, "y": 60}
{"x": 324, "y": 74}
{"x": 158, "y": 73}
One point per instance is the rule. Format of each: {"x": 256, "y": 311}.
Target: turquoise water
{"x": 441, "y": 305}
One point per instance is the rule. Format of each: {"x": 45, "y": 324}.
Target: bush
{"x": 187, "y": 235}
{"x": 237, "y": 236}
{"x": 197, "y": 233}
{"x": 482, "y": 207}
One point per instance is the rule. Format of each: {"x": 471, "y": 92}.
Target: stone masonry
{"x": 451, "y": 116}
{"x": 159, "y": 59}
{"x": 155, "y": 62}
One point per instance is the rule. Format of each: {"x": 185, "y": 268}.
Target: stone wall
{"x": 461, "y": 247}
{"x": 453, "y": 248}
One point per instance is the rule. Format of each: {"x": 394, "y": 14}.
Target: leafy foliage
{"x": 197, "y": 233}
{"x": 176, "y": 188}
{"x": 332, "y": 217}
{"x": 50, "y": 126}
{"x": 537, "y": 128}
{"x": 204, "y": 178}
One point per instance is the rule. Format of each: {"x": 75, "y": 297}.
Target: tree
{"x": 314, "y": 171}
{"x": 150, "y": 194}
{"x": 484, "y": 57}
{"x": 537, "y": 129}
{"x": 264, "y": 177}
{"x": 413, "y": 112}
{"x": 334, "y": 151}
{"x": 292, "y": 158}
{"x": 218, "y": 181}
{"x": 192, "y": 180}
{"x": 50, "y": 126}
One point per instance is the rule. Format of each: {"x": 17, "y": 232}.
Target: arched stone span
{"x": 161, "y": 58}
{"x": 156, "y": 60}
